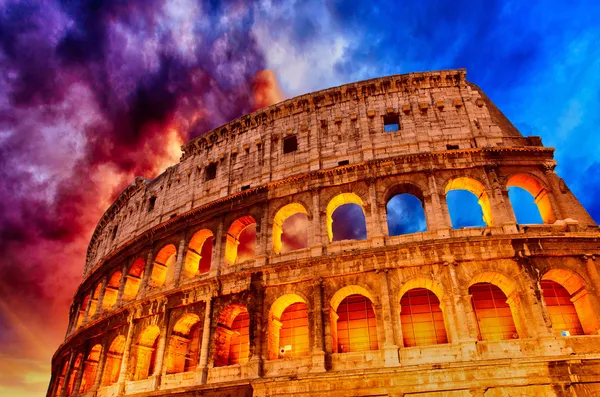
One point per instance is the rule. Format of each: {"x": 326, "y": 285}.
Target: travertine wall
{"x": 450, "y": 137}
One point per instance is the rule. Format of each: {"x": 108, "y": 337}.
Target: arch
{"x": 232, "y": 336}
{"x": 94, "y": 301}
{"x": 422, "y": 318}
{"x": 478, "y": 189}
{"x": 72, "y": 375}
{"x": 506, "y": 284}
{"x": 405, "y": 210}
{"x": 164, "y": 266}
{"x": 184, "y": 344}
{"x": 146, "y": 352}
{"x": 114, "y": 359}
{"x": 61, "y": 378}
{"x": 111, "y": 292}
{"x": 422, "y": 282}
{"x": 199, "y": 253}
{"x": 540, "y": 194}
{"x": 90, "y": 367}
{"x": 346, "y": 291}
{"x": 494, "y": 314}
{"x": 134, "y": 279}
{"x": 281, "y": 216}
{"x": 81, "y": 314}
{"x": 338, "y": 201}
{"x": 233, "y": 238}
{"x": 288, "y": 327}
{"x": 354, "y": 325}
{"x": 560, "y": 304}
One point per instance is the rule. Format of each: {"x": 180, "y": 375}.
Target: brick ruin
{"x": 191, "y": 285}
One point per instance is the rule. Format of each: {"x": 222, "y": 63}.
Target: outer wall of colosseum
{"x": 174, "y": 302}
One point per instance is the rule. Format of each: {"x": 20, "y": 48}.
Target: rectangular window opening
{"x": 343, "y": 162}
{"x": 245, "y": 187}
{"x": 391, "y": 123}
{"x": 290, "y": 144}
{"x": 151, "y": 203}
{"x": 211, "y": 172}
{"x": 452, "y": 147}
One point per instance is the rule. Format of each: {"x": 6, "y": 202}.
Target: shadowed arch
{"x": 164, "y": 266}
{"x": 233, "y": 237}
{"x": 90, "y": 367}
{"x": 184, "y": 344}
{"x": 232, "y": 341}
{"x": 284, "y": 213}
{"x": 199, "y": 252}
{"x": 114, "y": 359}
{"x": 145, "y": 359}
{"x": 134, "y": 279}
{"x": 112, "y": 290}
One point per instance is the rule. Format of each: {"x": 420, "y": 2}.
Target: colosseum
{"x": 268, "y": 262}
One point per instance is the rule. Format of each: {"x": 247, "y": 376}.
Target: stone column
{"x": 262, "y": 233}
{"x": 160, "y": 349}
{"x": 122, "y": 285}
{"x": 374, "y": 226}
{"x": 74, "y": 318}
{"x": 592, "y": 272}
{"x": 179, "y": 263}
{"x": 147, "y": 275}
{"x": 255, "y": 309}
{"x": 99, "y": 305}
{"x": 87, "y": 309}
{"x": 538, "y": 318}
{"x": 218, "y": 251}
{"x": 77, "y": 384}
{"x": 390, "y": 348}
{"x": 502, "y": 212}
{"x": 438, "y": 207}
{"x": 315, "y": 233}
{"x": 123, "y": 373}
{"x": 205, "y": 346}
{"x": 63, "y": 390}
{"x": 560, "y": 210}
{"x": 467, "y": 329}
{"x": 318, "y": 354}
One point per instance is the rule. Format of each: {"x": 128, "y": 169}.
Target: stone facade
{"x": 167, "y": 306}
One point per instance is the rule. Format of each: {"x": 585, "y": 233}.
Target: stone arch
{"x": 61, "y": 377}
{"x": 541, "y": 195}
{"x": 164, "y": 266}
{"x": 134, "y": 279}
{"x": 183, "y": 352}
{"x": 503, "y": 293}
{"x": 145, "y": 358}
{"x": 194, "y": 258}
{"x": 232, "y": 340}
{"x": 422, "y": 315}
{"x": 72, "y": 375}
{"x": 284, "y": 312}
{"x": 81, "y": 314}
{"x": 404, "y": 193}
{"x": 578, "y": 296}
{"x": 280, "y": 217}
{"x": 335, "y": 203}
{"x": 112, "y": 290}
{"x": 94, "y": 301}
{"x": 90, "y": 367}
{"x": 114, "y": 359}
{"x": 363, "y": 335}
{"x": 474, "y": 186}
{"x": 233, "y": 235}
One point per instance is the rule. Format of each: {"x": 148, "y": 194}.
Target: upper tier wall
{"x": 436, "y": 111}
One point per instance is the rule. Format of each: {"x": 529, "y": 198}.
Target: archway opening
{"x": 493, "y": 313}
{"x": 468, "y": 203}
{"x": 290, "y": 228}
{"x": 199, "y": 254}
{"x": 90, "y": 367}
{"x": 288, "y": 327}
{"x": 346, "y": 218}
{"x": 524, "y": 207}
{"x": 422, "y": 318}
{"x": 563, "y": 314}
{"x": 232, "y": 337}
{"x": 73, "y": 374}
{"x": 356, "y": 325}
{"x": 164, "y": 266}
{"x": 134, "y": 279}
{"x": 114, "y": 359}
{"x": 405, "y": 215}
{"x": 184, "y": 345}
{"x": 240, "y": 240}
{"x": 61, "y": 377}
{"x": 112, "y": 290}
{"x": 146, "y": 353}
{"x": 94, "y": 301}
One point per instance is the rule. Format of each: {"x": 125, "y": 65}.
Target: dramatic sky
{"x": 93, "y": 93}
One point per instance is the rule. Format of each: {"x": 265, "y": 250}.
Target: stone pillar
{"x": 592, "y": 272}
{"x": 501, "y": 209}
{"x": 255, "y": 309}
{"x": 318, "y": 354}
{"x": 262, "y": 234}
{"x": 122, "y": 285}
{"x": 75, "y": 313}
{"x": 123, "y": 373}
{"x": 205, "y": 345}
{"x": 390, "y": 348}
{"x": 218, "y": 251}
{"x": 560, "y": 210}
{"x": 63, "y": 390}
{"x": 314, "y": 162}
{"x": 147, "y": 275}
{"x": 538, "y": 319}
{"x": 179, "y": 263}
{"x": 438, "y": 207}
{"x": 374, "y": 226}
{"x": 77, "y": 384}
{"x": 87, "y": 309}
{"x": 100, "y": 369}
{"x": 160, "y": 349}
{"x": 467, "y": 329}
{"x": 315, "y": 233}
{"x": 99, "y": 305}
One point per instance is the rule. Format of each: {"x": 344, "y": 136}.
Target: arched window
{"x": 199, "y": 253}
{"x": 405, "y": 215}
{"x": 494, "y": 316}
{"x": 240, "y": 240}
{"x": 422, "y": 318}
{"x": 288, "y": 327}
{"x": 94, "y": 301}
{"x": 146, "y": 353}
{"x": 134, "y": 280}
{"x": 468, "y": 203}
{"x": 346, "y": 218}
{"x": 114, "y": 359}
{"x": 164, "y": 266}
{"x": 562, "y": 311}
{"x": 89, "y": 368}
{"x": 81, "y": 314}
{"x": 61, "y": 377}
{"x": 356, "y": 325}
{"x": 232, "y": 340}
{"x": 290, "y": 228}
{"x": 112, "y": 290}
{"x": 529, "y": 208}
{"x": 184, "y": 344}
{"x": 72, "y": 375}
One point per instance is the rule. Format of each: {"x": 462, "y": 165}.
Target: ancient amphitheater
{"x": 197, "y": 282}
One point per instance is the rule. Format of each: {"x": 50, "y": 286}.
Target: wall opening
{"x": 493, "y": 313}
{"x": 114, "y": 359}
{"x": 524, "y": 207}
{"x": 211, "y": 172}
{"x": 422, "y": 318}
{"x": 563, "y": 314}
{"x": 290, "y": 144}
{"x": 134, "y": 279}
{"x": 90, "y": 367}
{"x": 288, "y": 327}
{"x": 240, "y": 240}
{"x": 151, "y": 203}
{"x": 468, "y": 203}
{"x": 356, "y": 325}
{"x": 290, "y": 228}
{"x": 112, "y": 290}
{"x": 184, "y": 345}
{"x": 146, "y": 353}
{"x": 199, "y": 254}
{"x": 350, "y": 222}
{"x": 164, "y": 266}
{"x": 94, "y": 301}
{"x": 523, "y": 204}
{"x": 232, "y": 337}
{"x": 391, "y": 123}
{"x": 405, "y": 215}
{"x": 73, "y": 374}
